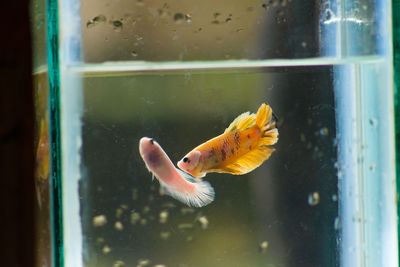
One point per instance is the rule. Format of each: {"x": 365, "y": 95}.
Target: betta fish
{"x": 244, "y": 146}
{"x": 173, "y": 181}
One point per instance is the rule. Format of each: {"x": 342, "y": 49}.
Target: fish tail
{"x": 262, "y": 151}
{"x": 201, "y": 193}
{"x": 265, "y": 120}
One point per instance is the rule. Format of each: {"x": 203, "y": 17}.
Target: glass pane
{"x": 323, "y": 198}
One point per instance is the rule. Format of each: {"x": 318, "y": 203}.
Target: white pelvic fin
{"x": 203, "y": 194}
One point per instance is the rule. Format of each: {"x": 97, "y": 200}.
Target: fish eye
{"x": 152, "y": 141}
{"x": 185, "y": 159}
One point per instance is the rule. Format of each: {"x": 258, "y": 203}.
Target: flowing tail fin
{"x": 263, "y": 120}
{"x": 202, "y": 195}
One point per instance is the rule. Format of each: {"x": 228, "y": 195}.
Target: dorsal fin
{"x": 242, "y": 122}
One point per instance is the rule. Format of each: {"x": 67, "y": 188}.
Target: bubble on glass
{"x": 118, "y": 226}
{"x": 143, "y": 221}
{"x": 164, "y": 235}
{"x": 313, "y": 199}
{"x": 117, "y": 25}
{"x": 134, "y": 53}
{"x": 280, "y": 17}
{"x": 334, "y": 197}
{"x": 106, "y": 250}
{"x": 373, "y": 122}
{"x": 95, "y": 21}
{"x": 189, "y": 238}
{"x": 203, "y": 222}
{"x": 179, "y": 17}
{"x": 163, "y": 216}
{"x": 303, "y": 44}
{"x": 160, "y": 265}
{"x": 135, "y": 217}
{"x": 336, "y": 223}
{"x": 263, "y": 246}
{"x": 372, "y": 167}
{"x": 324, "y": 131}
{"x": 119, "y": 263}
{"x": 99, "y": 220}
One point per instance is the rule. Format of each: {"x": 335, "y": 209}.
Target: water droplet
{"x": 119, "y": 264}
{"x": 106, "y": 249}
{"x": 373, "y": 122}
{"x": 372, "y": 167}
{"x": 96, "y": 20}
{"x": 117, "y": 25}
{"x": 163, "y": 217}
{"x": 118, "y": 226}
{"x": 203, "y": 222}
{"x": 99, "y": 220}
{"x": 324, "y": 131}
{"x": 263, "y": 246}
{"x": 188, "y": 18}
{"x": 134, "y": 54}
{"x": 179, "y": 17}
{"x": 313, "y": 199}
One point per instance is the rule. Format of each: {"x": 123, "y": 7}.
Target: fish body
{"x": 244, "y": 146}
{"x": 174, "y": 182}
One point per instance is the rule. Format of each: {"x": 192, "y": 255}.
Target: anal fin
{"x": 249, "y": 161}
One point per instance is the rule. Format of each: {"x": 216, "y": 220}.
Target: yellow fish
{"x": 244, "y": 146}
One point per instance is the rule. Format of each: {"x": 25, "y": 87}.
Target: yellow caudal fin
{"x": 249, "y": 161}
{"x": 242, "y": 122}
{"x": 264, "y": 115}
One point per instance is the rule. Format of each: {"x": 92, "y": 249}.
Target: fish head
{"x": 189, "y": 162}
{"x": 148, "y": 148}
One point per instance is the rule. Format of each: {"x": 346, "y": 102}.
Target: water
{"x": 264, "y": 218}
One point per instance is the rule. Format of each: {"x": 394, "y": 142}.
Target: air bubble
{"x": 336, "y": 223}
{"x": 373, "y": 122}
{"x": 119, "y": 264}
{"x": 313, "y": 199}
{"x": 134, "y": 54}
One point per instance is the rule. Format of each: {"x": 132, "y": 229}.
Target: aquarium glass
{"x": 181, "y": 72}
